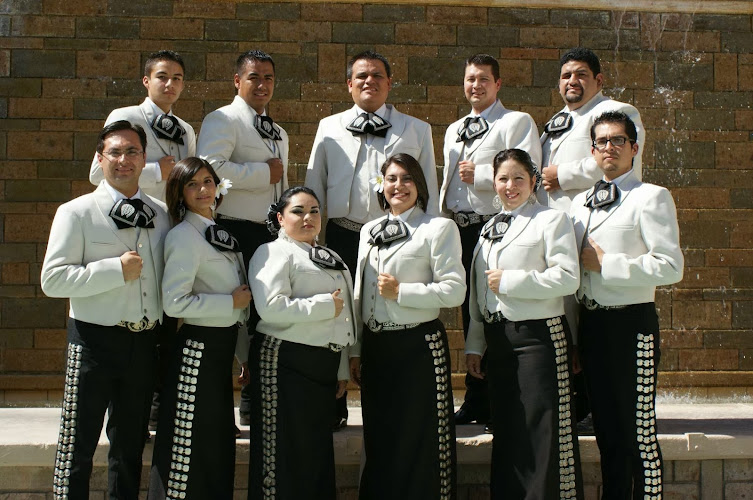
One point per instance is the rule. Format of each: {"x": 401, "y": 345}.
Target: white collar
{"x": 484, "y": 114}
{"x": 207, "y": 222}
{"x": 619, "y": 179}
{"x": 381, "y": 112}
{"x": 586, "y": 107}
{"x": 403, "y": 216}
{"x": 156, "y": 109}
{"x": 117, "y": 195}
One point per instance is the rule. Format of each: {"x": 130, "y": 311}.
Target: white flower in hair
{"x": 378, "y": 182}
{"x": 222, "y": 187}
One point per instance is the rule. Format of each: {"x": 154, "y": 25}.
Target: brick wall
{"x": 65, "y": 64}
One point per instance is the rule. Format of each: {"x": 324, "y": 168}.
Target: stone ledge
{"x": 28, "y": 437}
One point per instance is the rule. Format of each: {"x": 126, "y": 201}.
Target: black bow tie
{"x": 497, "y": 227}
{"x": 602, "y": 195}
{"x": 266, "y": 128}
{"x": 388, "y": 231}
{"x": 132, "y": 213}
{"x": 559, "y": 124}
{"x": 167, "y": 127}
{"x": 324, "y": 257}
{"x": 473, "y": 128}
{"x": 221, "y": 239}
{"x": 369, "y": 123}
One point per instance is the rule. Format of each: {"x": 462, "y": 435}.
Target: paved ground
{"x": 39, "y": 426}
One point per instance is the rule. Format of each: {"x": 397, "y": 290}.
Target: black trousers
{"x": 535, "y": 449}
{"x": 109, "y": 368}
{"x": 620, "y": 355}
{"x": 291, "y": 454}
{"x": 250, "y": 236}
{"x": 476, "y": 390}
{"x": 345, "y": 243}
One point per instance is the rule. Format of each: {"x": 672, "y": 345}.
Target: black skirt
{"x": 409, "y": 433}
{"x": 535, "y": 451}
{"x": 292, "y": 403}
{"x": 194, "y": 453}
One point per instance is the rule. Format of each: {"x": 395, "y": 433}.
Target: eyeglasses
{"x": 617, "y": 141}
{"x": 115, "y": 154}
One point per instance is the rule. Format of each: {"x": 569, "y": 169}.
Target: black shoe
{"x": 237, "y": 432}
{"x": 489, "y": 428}
{"x": 245, "y": 418}
{"x": 464, "y": 416}
{"x": 586, "y": 426}
{"x": 340, "y": 423}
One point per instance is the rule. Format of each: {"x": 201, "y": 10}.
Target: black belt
{"x": 592, "y": 305}
{"x": 465, "y": 219}
{"x": 388, "y": 326}
{"x": 494, "y": 317}
{"x": 347, "y": 224}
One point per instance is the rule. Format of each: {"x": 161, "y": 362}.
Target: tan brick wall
{"x": 65, "y": 64}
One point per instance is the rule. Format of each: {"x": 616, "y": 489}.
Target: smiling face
{"x": 400, "y": 190}
{"x": 301, "y": 219}
{"x": 513, "y": 184}
{"x": 613, "y": 160}
{"x": 578, "y": 84}
{"x": 369, "y": 84}
{"x": 256, "y": 84}
{"x": 480, "y": 87}
{"x": 122, "y": 160}
{"x": 199, "y": 193}
{"x": 164, "y": 84}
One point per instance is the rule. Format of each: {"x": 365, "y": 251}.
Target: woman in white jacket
{"x": 204, "y": 283}
{"x": 409, "y": 268}
{"x": 525, "y": 262}
{"x": 304, "y": 296}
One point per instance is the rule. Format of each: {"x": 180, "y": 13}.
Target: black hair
{"x": 518, "y": 156}
{"x": 182, "y": 172}
{"x": 368, "y": 55}
{"x": 273, "y": 225}
{"x": 585, "y": 55}
{"x": 162, "y": 55}
{"x": 117, "y": 127}
{"x": 250, "y": 56}
{"x": 616, "y": 117}
{"x": 484, "y": 60}
{"x": 413, "y": 168}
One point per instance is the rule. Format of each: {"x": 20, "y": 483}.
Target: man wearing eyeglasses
{"x": 170, "y": 138}
{"x": 567, "y": 165}
{"x": 629, "y": 244}
{"x": 105, "y": 254}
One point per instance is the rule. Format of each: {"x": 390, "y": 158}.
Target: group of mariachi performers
{"x": 189, "y": 253}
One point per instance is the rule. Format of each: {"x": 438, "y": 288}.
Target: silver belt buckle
{"x": 139, "y": 326}
{"x": 374, "y": 325}
{"x": 335, "y": 347}
{"x": 462, "y": 219}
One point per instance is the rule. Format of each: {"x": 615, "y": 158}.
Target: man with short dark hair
{"x": 245, "y": 146}
{"x": 567, "y": 166}
{"x": 170, "y": 138}
{"x": 350, "y": 148}
{"x": 629, "y": 244}
{"x": 105, "y": 255}
{"x": 467, "y": 193}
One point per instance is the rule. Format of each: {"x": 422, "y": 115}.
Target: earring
{"x": 181, "y": 210}
{"x": 496, "y": 202}
{"x": 213, "y": 207}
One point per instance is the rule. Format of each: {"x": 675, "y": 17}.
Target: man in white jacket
{"x": 629, "y": 243}
{"x": 568, "y": 167}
